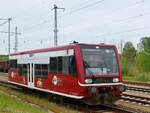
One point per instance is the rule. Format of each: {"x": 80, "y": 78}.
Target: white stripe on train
{"x": 67, "y": 95}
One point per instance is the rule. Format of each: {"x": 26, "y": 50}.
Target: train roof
{"x": 71, "y": 46}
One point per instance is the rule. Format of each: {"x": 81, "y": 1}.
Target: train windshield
{"x": 99, "y": 60}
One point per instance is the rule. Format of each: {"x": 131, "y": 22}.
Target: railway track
{"x": 136, "y": 99}
{"x": 4, "y": 74}
{"x": 141, "y": 87}
{"x": 137, "y": 93}
{"x": 137, "y": 84}
{"x": 141, "y": 92}
{"x": 76, "y": 105}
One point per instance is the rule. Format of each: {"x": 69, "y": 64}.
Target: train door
{"x": 31, "y": 74}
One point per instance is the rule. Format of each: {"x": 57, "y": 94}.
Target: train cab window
{"x": 53, "y": 65}
{"x": 100, "y": 60}
{"x": 13, "y": 64}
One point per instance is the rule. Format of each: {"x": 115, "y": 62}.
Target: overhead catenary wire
{"x": 4, "y": 23}
{"x": 95, "y": 3}
{"x": 130, "y": 30}
{"x": 111, "y": 22}
{"x": 46, "y": 21}
{"x": 89, "y": 5}
{"x": 119, "y": 9}
{"x": 86, "y": 6}
{"x": 3, "y": 19}
{"x": 35, "y": 25}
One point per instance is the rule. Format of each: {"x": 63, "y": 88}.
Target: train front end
{"x": 102, "y": 76}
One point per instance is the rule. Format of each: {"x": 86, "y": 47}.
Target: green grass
{"x": 3, "y": 58}
{"x": 42, "y": 102}
{"x": 13, "y": 105}
{"x": 144, "y": 77}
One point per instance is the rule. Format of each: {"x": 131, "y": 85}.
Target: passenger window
{"x": 13, "y": 64}
{"x": 53, "y": 65}
{"x": 22, "y": 69}
{"x": 59, "y": 65}
{"x": 37, "y": 69}
{"x": 72, "y": 66}
{"x": 44, "y": 69}
{"x": 65, "y": 65}
{"x": 41, "y": 70}
{"x": 20, "y": 66}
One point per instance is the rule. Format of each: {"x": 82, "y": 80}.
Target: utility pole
{"x": 121, "y": 48}
{"x": 9, "y": 19}
{"x": 55, "y": 26}
{"x": 9, "y": 34}
{"x": 16, "y": 39}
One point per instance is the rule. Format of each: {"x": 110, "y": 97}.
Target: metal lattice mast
{"x": 55, "y": 26}
{"x": 16, "y": 40}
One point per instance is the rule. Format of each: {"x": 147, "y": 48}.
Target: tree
{"x": 142, "y": 62}
{"x": 144, "y": 44}
{"x": 127, "y": 59}
{"x": 129, "y": 52}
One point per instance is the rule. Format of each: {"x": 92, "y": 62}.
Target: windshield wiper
{"x": 86, "y": 65}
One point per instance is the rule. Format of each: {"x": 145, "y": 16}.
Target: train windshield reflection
{"x": 99, "y": 60}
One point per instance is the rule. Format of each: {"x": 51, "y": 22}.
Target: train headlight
{"x": 115, "y": 79}
{"x": 88, "y": 80}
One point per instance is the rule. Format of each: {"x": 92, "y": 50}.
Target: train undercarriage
{"x": 104, "y": 95}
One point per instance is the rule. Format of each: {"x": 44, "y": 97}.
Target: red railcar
{"x": 3, "y": 66}
{"x": 88, "y": 72}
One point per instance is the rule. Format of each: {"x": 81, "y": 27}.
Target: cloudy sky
{"x": 86, "y": 21}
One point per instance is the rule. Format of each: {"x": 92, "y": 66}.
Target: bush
{"x": 142, "y": 62}
{"x": 125, "y": 66}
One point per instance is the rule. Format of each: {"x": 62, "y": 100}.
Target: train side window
{"x": 53, "y": 65}
{"x": 44, "y": 69}
{"x": 59, "y": 65}
{"x": 20, "y": 67}
{"x": 65, "y": 65}
{"x": 41, "y": 71}
{"x": 72, "y": 66}
{"x": 37, "y": 70}
{"x": 13, "y": 64}
{"x": 24, "y": 70}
